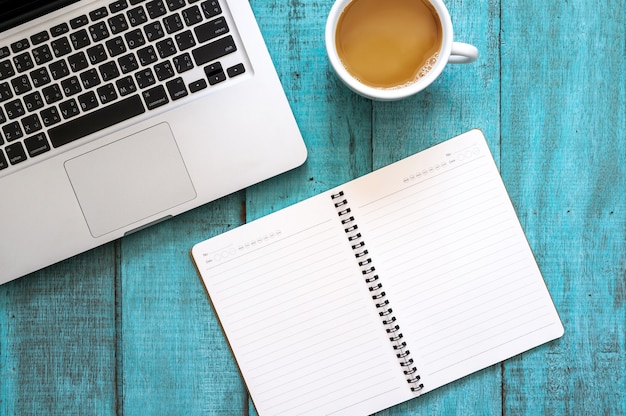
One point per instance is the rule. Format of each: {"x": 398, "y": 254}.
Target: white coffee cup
{"x": 450, "y": 52}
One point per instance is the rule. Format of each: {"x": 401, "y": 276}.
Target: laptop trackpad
{"x": 130, "y": 180}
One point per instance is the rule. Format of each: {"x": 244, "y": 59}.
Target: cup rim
{"x": 387, "y": 94}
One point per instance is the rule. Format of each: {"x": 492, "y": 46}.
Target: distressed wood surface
{"x": 126, "y": 329}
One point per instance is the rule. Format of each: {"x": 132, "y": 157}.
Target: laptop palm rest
{"x": 130, "y": 180}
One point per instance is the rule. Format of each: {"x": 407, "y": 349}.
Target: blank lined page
{"x": 454, "y": 261}
{"x": 298, "y": 315}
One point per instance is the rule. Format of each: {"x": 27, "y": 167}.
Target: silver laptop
{"x": 118, "y": 114}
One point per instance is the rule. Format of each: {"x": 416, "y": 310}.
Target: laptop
{"x": 118, "y": 114}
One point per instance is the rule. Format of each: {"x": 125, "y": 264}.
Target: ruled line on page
{"x": 422, "y": 185}
{"x": 309, "y": 258}
{"x": 490, "y": 349}
{"x": 343, "y": 392}
{"x": 228, "y": 267}
{"x": 380, "y": 394}
{"x": 243, "y": 314}
{"x": 304, "y": 357}
{"x": 319, "y": 373}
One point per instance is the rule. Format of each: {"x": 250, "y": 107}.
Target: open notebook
{"x": 381, "y": 289}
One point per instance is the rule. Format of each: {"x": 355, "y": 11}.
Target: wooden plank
{"x": 57, "y": 338}
{"x": 563, "y": 155}
{"x": 462, "y": 98}
{"x": 174, "y": 359}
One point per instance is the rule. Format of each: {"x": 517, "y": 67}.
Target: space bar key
{"x": 98, "y": 120}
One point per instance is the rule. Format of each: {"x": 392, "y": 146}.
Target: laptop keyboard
{"x": 105, "y": 67}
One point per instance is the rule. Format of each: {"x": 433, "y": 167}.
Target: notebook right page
{"x": 453, "y": 260}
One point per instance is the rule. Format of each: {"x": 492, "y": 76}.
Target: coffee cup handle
{"x": 462, "y": 53}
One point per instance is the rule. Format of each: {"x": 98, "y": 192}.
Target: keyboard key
{"x": 15, "y": 153}
{"x": 3, "y": 119}
{"x": 79, "y": 21}
{"x": 52, "y": 94}
{"x": 6, "y": 69}
{"x": 5, "y": 92}
{"x": 98, "y": 14}
{"x": 20, "y": 45}
{"x": 176, "y": 88}
{"x": 23, "y": 62}
{"x": 98, "y": 31}
{"x": 214, "y": 73}
{"x": 128, "y": 63}
{"x": 211, "y": 8}
{"x": 155, "y": 9}
{"x": 40, "y": 37}
{"x": 21, "y": 85}
{"x": 59, "y": 69}
{"x": 88, "y": 101}
{"x": 147, "y": 55}
{"x": 175, "y": 4}
{"x": 90, "y": 78}
{"x": 96, "y": 54}
{"x": 69, "y": 109}
{"x": 42, "y": 54}
{"x": 40, "y": 77}
{"x": 117, "y": 6}
{"x": 59, "y": 30}
{"x": 118, "y": 24}
{"x": 185, "y": 40}
{"x": 31, "y": 124}
{"x": 33, "y": 101}
{"x": 166, "y": 48}
{"x": 4, "y": 52}
{"x": 183, "y": 63}
{"x": 109, "y": 71}
{"x": 36, "y": 145}
{"x": 192, "y": 15}
{"x": 197, "y": 85}
{"x": 77, "y": 62}
{"x": 137, "y": 16}
{"x": 173, "y": 23}
{"x": 125, "y": 85}
{"x": 153, "y": 31}
{"x": 61, "y": 46}
{"x": 164, "y": 70}
{"x": 12, "y": 131}
{"x": 71, "y": 86}
{"x": 135, "y": 39}
{"x": 211, "y": 30}
{"x": 235, "y": 70}
{"x": 214, "y": 50}
{"x": 50, "y": 116}
{"x": 107, "y": 93}
{"x": 3, "y": 160}
{"x": 155, "y": 97}
{"x": 80, "y": 39}
{"x": 95, "y": 121}
{"x": 145, "y": 78}
{"x": 116, "y": 46}
{"x": 14, "y": 109}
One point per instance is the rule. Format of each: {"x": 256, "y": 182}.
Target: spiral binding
{"x": 376, "y": 288}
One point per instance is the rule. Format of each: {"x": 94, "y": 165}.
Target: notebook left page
{"x": 298, "y": 316}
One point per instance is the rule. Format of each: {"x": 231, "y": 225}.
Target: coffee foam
{"x": 424, "y": 70}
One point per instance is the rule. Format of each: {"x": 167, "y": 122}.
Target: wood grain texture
{"x": 174, "y": 358}
{"x": 564, "y": 155}
{"x": 57, "y": 339}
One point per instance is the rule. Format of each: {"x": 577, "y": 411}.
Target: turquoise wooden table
{"x": 127, "y": 328}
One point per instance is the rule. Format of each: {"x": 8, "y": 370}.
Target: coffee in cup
{"x": 390, "y": 49}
